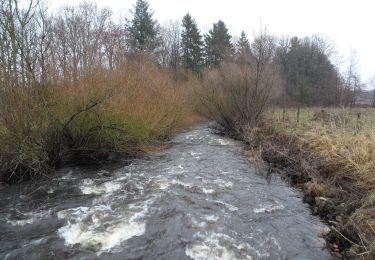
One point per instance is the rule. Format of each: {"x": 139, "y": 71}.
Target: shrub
{"x": 235, "y": 95}
{"x": 105, "y": 113}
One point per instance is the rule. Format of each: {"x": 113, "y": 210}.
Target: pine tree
{"x": 243, "y": 50}
{"x": 143, "y": 30}
{"x": 218, "y": 46}
{"x": 191, "y": 44}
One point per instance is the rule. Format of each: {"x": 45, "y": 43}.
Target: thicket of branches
{"x": 39, "y": 47}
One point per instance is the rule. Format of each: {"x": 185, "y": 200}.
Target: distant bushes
{"x": 105, "y": 113}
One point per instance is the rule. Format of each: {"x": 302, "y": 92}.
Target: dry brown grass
{"x": 335, "y": 150}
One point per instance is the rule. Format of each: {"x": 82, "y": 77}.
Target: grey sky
{"x": 349, "y": 23}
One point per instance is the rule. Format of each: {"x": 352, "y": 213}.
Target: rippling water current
{"x": 200, "y": 199}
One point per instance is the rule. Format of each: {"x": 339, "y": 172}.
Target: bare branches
{"x": 236, "y": 95}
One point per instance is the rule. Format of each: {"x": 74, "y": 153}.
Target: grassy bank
{"x": 103, "y": 115}
{"x": 330, "y": 154}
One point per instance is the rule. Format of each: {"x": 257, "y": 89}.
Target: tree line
{"x": 42, "y": 48}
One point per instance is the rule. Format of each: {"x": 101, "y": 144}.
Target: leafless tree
{"x": 22, "y": 29}
{"x": 372, "y": 84}
{"x": 352, "y": 82}
{"x": 81, "y": 37}
{"x": 170, "y": 45}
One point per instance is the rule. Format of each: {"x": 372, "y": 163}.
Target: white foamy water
{"x": 88, "y": 187}
{"x": 268, "y": 208}
{"x": 216, "y": 246}
{"x": 227, "y": 205}
{"x": 163, "y": 184}
{"x": 222, "y": 183}
{"x": 68, "y": 176}
{"x": 105, "y": 240}
{"x": 224, "y": 142}
{"x": 197, "y": 224}
{"x": 211, "y": 218}
{"x": 101, "y": 228}
{"x": 208, "y": 191}
{"x": 183, "y": 184}
{"x": 29, "y": 218}
{"x": 21, "y": 222}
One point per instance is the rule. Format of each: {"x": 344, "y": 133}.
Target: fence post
{"x": 284, "y": 112}
{"x": 298, "y": 113}
{"x": 322, "y": 115}
{"x": 358, "y": 121}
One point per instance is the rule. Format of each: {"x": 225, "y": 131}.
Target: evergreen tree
{"x": 191, "y": 44}
{"x": 218, "y": 46}
{"x": 243, "y": 50}
{"x": 143, "y": 30}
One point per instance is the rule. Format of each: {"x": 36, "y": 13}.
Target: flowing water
{"x": 200, "y": 199}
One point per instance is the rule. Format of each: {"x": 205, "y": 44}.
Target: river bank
{"x": 328, "y": 155}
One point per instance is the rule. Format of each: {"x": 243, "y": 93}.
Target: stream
{"x": 199, "y": 199}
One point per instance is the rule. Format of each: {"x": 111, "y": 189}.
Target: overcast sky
{"x": 349, "y": 23}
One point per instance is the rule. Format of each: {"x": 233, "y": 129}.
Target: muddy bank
{"x": 330, "y": 195}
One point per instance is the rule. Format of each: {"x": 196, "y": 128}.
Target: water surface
{"x": 200, "y": 199}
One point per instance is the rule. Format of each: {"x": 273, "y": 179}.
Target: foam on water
{"x": 29, "y": 218}
{"x": 267, "y": 208}
{"x": 213, "y": 246}
{"x": 223, "y": 184}
{"x": 163, "y": 185}
{"x": 89, "y": 227}
{"x": 197, "y": 224}
{"x": 68, "y": 176}
{"x": 227, "y": 205}
{"x": 112, "y": 236}
{"x": 88, "y": 187}
{"x": 211, "y": 218}
{"x": 208, "y": 191}
{"x": 223, "y": 142}
{"x": 183, "y": 184}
